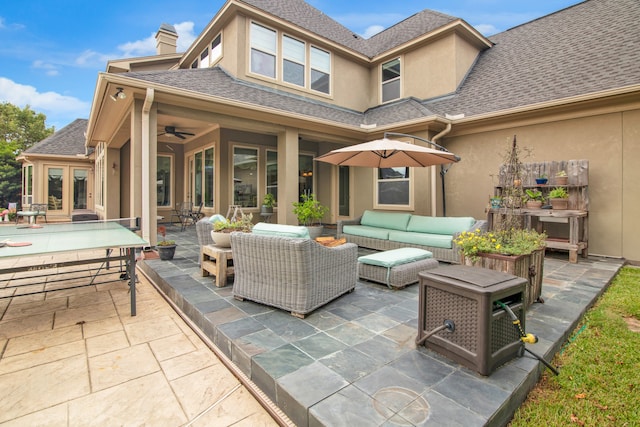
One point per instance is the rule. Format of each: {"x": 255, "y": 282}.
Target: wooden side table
{"x": 218, "y": 262}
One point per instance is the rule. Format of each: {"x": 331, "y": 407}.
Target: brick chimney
{"x": 166, "y": 39}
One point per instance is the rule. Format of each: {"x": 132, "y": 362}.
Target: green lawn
{"x": 599, "y": 381}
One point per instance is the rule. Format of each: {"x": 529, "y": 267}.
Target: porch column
{"x": 149, "y": 169}
{"x": 287, "y": 175}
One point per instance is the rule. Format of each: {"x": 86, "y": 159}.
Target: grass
{"x": 599, "y": 381}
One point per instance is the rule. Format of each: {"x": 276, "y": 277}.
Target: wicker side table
{"x": 218, "y": 262}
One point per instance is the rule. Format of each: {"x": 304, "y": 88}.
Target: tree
{"x": 20, "y": 129}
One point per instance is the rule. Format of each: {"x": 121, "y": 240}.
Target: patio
{"x": 354, "y": 361}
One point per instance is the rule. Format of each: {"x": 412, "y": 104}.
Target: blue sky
{"x": 52, "y": 51}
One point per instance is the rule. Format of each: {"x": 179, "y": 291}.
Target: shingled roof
{"x": 584, "y": 49}
{"x": 68, "y": 141}
{"x": 302, "y": 14}
{"x": 587, "y": 48}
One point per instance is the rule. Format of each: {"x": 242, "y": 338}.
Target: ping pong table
{"x": 22, "y": 248}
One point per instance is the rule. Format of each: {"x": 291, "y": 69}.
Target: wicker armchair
{"x": 203, "y": 231}
{"x": 294, "y": 274}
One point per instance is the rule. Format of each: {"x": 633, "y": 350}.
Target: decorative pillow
{"x": 217, "y": 217}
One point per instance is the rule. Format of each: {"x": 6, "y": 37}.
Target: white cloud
{"x": 486, "y": 29}
{"x": 23, "y": 95}
{"x": 147, "y": 46}
{"x": 50, "y": 69}
{"x": 372, "y": 31}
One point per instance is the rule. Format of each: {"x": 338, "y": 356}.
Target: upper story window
{"x": 216, "y": 49}
{"x": 194, "y": 64}
{"x": 391, "y": 80}
{"x": 263, "y": 51}
{"x": 204, "y": 58}
{"x": 293, "y": 60}
{"x": 320, "y": 70}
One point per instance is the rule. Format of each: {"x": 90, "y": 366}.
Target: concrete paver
{"x": 77, "y": 357}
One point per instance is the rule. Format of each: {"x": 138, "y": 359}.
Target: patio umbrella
{"x": 387, "y": 153}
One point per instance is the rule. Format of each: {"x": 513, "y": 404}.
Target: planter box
{"x": 528, "y": 267}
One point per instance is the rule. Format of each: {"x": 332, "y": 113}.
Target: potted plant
{"x": 310, "y": 213}
{"x": 559, "y": 198}
{"x": 516, "y": 251}
{"x": 166, "y": 248}
{"x": 533, "y": 198}
{"x": 542, "y": 179}
{"x": 496, "y": 202}
{"x": 222, "y": 229}
{"x": 561, "y": 178}
{"x": 267, "y": 203}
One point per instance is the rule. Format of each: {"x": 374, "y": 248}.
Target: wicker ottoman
{"x": 396, "y": 268}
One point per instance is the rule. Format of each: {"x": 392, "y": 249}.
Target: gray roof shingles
{"x": 587, "y": 48}
{"x": 68, "y": 141}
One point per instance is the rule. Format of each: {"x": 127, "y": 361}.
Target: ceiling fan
{"x": 171, "y": 130}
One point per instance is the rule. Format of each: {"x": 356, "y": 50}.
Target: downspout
{"x": 442, "y": 133}
{"x": 146, "y": 128}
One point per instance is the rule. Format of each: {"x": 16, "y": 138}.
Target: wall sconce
{"x": 113, "y": 168}
{"x": 119, "y": 94}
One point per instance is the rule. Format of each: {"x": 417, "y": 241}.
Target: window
{"x": 216, "y": 49}
{"x": 305, "y": 174}
{"x": 293, "y": 60}
{"x": 320, "y": 70}
{"x": 245, "y": 177}
{"x": 272, "y": 173}
{"x": 54, "y": 188}
{"x": 204, "y": 58}
{"x": 344, "y": 191}
{"x": 201, "y": 182}
{"x": 164, "y": 181}
{"x": 263, "y": 51}
{"x": 100, "y": 170}
{"x": 194, "y": 64}
{"x": 391, "y": 80}
{"x": 80, "y": 188}
{"x": 393, "y": 187}
{"x": 27, "y": 185}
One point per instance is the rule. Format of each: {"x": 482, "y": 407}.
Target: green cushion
{"x": 282, "y": 230}
{"x": 388, "y": 220}
{"x": 422, "y": 239}
{"x": 395, "y": 257}
{"x": 366, "y": 231}
{"x": 439, "y": 225}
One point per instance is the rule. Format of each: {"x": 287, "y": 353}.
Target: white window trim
{"x": 408, "y": 207}
{"x": 277, "y": 53}
{"x": 259, "y": 175}
{"x": 399, "y": 79}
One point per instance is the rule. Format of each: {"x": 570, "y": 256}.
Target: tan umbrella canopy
{"x": 387, "y": 153}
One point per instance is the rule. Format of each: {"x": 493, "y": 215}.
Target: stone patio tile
{"x": 19, "y": 310}
{"x": 201, "y": 389}
{"x": 238, "y": 409}
{"x": 319, "y": 345}
{"x": 446, "y": 412}
{"x": 122, "y": 405}
{"x": 351, "y": 364}
{"x": 323, "y": 320}
{"x": 28, "y": 325}
{"x": 391, "y": 388}
{"x": 349, "y": 407}
{"x": 40, "y": 356}
{"x": 118, "y": 367}
{"x": 171, "y": 346}
{"x": 350, "y": 333}
{"x": 375, "y": 322}
{"x": 106, "y": 343}
{"x": 151, "y": 329}
{"x": 54, "y": 416}
{"x": 100, "y": 327}
{"x": 295, "y": 395}
{"x": 382, "y": 349}
{"x": 89, "y": 313}
{"x": 42, "y": 340}
{"x": 472, "y": 392}
{"x": 286, "y": 326}
{"x": 421, "y": 367}
{"x": 188, "y": 363}
{"x": 62, "y": 380}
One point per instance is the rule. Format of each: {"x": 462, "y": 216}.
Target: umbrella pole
{"x": 443, "y": 171}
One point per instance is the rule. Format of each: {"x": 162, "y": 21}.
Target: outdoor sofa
{"x": 392, "y": 230}
{"x": 280, "y": 266}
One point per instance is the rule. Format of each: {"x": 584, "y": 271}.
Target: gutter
{"x": 146, "y": 156}
{"x": 442, "y": 133}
